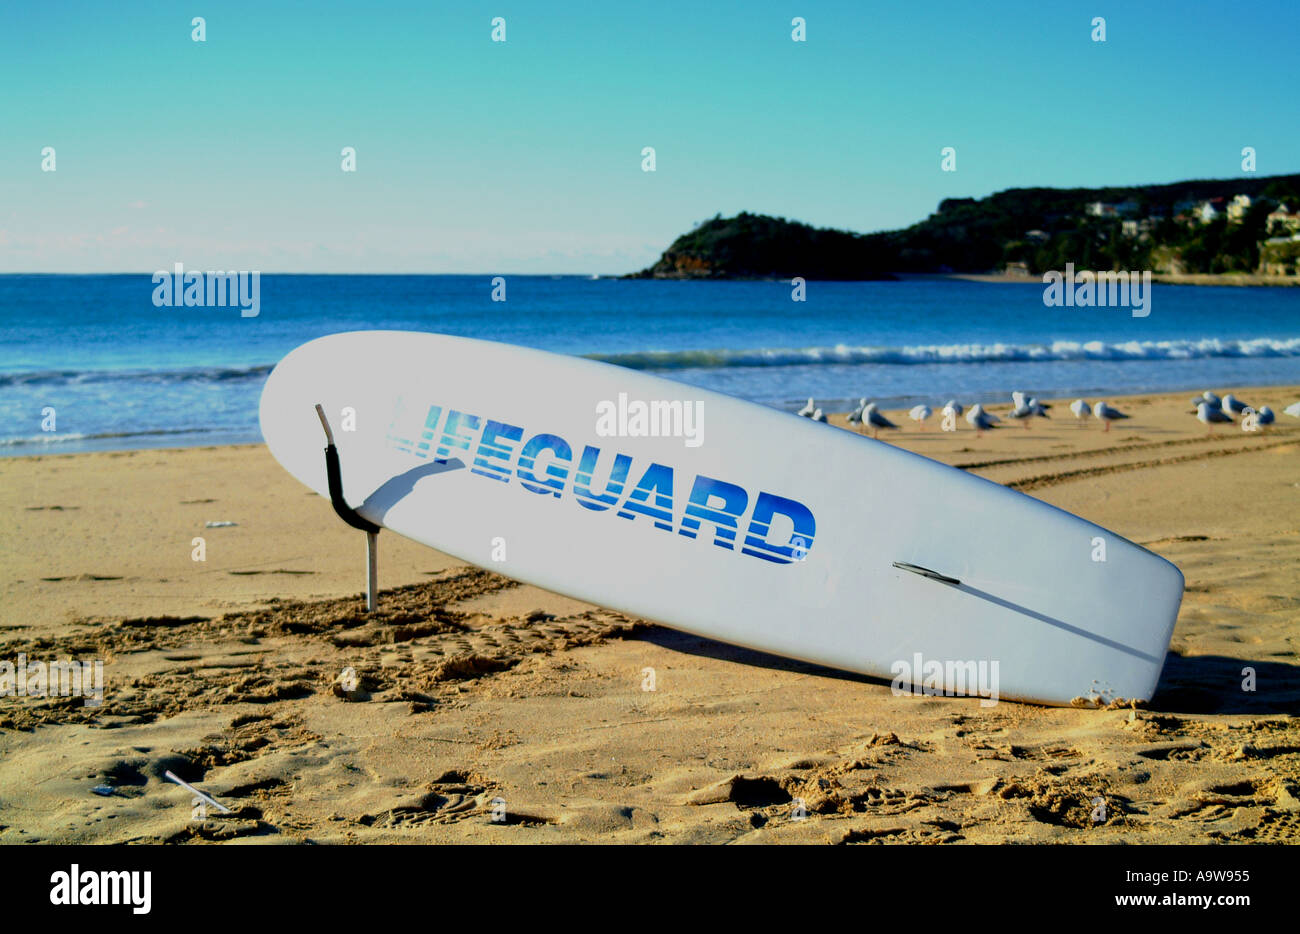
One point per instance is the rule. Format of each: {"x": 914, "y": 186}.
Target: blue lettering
{"x": 723, "y": 515}
{"x": 613, "y": 489}
{"x": 716, "y": 502}
{"x": 528, "y": 460}
{"x": 451, "y": 436}
{"x": 657, "y": 479}
{"x": 760, "y": 524}
{"x": 491, "y": 447}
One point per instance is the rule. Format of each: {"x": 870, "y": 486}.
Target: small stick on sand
{"x": 212, "y": 801}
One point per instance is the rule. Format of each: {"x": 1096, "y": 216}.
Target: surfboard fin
{"x": 926, "y": 572}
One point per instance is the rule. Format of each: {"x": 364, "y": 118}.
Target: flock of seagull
{"x": 1209, "y": 409}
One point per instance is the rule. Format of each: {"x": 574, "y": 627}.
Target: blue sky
{"x": 525, "y": 156}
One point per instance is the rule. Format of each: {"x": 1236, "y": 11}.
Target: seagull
{"x": 979, "y": 419}
{"x": 872, "y": 417}
{"x": 855, "y": 417}
{"x": 1293, "y": 410}
{"x": 1209, "y": 399}
{"x": 1265, "y": 415}
{"x": 1208, "y": 414}
{"x": 808, "y": 409}
{"x": 1081, "y": 411}
{"x": 1107, "y": 414}
{"x": 1232, "y": 406}
{"x": 1020, "y": 407}
{"x": 819, "y": 416}
{"x": 952, "y": 406}
{"x": 1019, "y": 398}
{"x": 1027, "y": 408}
{"x": 1022, "y": 412}
{"x": 920, "y": 413}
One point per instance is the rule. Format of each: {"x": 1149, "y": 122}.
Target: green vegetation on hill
{"x": 757, "y": 246}
{"x": 1035, "y": 228}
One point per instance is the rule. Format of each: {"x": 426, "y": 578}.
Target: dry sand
{"x": 472, "y": 689}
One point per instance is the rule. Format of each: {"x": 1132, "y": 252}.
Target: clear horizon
{"x": 507, "y": 272}
{"x": 477, "y": 157}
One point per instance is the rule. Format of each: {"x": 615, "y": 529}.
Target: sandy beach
{"x": 469, "y": 693}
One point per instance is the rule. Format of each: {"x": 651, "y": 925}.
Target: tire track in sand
{"x": 1064, "y": 476}
{"x": 1076, "y": 454}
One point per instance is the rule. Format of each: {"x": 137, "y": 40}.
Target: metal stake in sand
{"x": 208, "y": 798}
{"x": 372, "y": 571}
{"x": 349, "y": 515}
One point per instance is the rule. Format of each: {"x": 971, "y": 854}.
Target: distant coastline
{"x": 1236, "y": 231}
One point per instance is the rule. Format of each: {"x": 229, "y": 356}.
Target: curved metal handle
{"x": 335, "y": 476}
{"x": 329, "y": 435}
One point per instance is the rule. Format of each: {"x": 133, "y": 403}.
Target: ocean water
{"x": 122, "y": 373}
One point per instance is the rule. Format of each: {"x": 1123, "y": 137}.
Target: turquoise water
{"x": 121, "y": 373}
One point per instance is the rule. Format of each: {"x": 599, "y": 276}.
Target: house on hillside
{"x": 1101, "y": 209}
{"x": 1237, "y": 208}
{"x": 1280, "y": 256}
{"x": 1211, "y": 209}
{"x": 1138, "y": 228}
{"x": 1282, "y": 218}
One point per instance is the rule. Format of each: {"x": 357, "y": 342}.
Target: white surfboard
{"x": 765, "y": 530}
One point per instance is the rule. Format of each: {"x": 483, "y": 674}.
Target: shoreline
{"x": 1241, "y": 280}
{"x": 1052, "y": 396}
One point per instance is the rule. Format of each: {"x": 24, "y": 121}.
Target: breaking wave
{"x": 1203, "y": 348}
